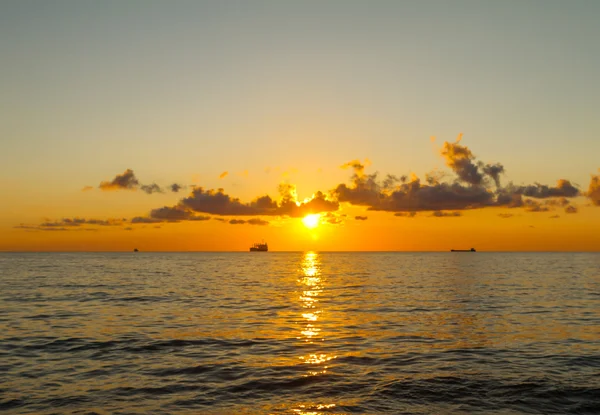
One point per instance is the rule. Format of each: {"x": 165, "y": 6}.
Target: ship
{"x": 463, "y": 250}
{"x": 259, "y": 247}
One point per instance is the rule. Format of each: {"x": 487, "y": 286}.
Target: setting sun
{"x": 311, "y": 221}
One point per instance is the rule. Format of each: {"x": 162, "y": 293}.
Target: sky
{"x": 398, "y": 125}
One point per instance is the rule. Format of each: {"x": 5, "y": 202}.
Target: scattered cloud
{"x": 361, "y": 217}
{"x": 505, "y": 215}
{"x": 151, "y": 188}
{"x": 87, "y": 188}
{"x": 333, "y": 218}
{"x": 594, "y": 189}
{"x": 570, "y": 209}
{"x": 223, "y": 175}
{"x": 554, "y": 217}
{"x": 406, "y": 214}
{"x": 144, "y": 219}
{"x": 175, "y": 188}
{"x": 534, "y": 206}
{"x": 125, "y": 181}
{"x": 442, "y": 214}
{"x": 253, "y": 221}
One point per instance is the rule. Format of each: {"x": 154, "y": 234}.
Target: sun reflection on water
{"x": 312, "y": 286}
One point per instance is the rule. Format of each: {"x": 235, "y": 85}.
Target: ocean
{"x": 300, "y": 333}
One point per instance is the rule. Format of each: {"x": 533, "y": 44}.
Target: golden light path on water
{"x": 312, "y": 285}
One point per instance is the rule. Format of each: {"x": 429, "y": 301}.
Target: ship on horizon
{"x": 463, "y": 250}
{"x": 259, "y": 247}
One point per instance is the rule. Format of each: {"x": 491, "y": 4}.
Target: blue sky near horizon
{"x": 182, "y": 91}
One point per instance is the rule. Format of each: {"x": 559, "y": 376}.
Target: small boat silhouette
{"x": 463, "y": 250}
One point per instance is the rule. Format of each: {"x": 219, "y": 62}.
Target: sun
{"x": 311, "y": 221}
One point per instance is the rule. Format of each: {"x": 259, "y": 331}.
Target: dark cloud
{"x": 476, "y": 185}
{"x": 217, "y": 202}
{"x": 129, "y": 228}
{"x": 594, "y": 190}
{"x": 171, "y": 214}
{"x": 151, "y": 188}
{"x": 570, "y": 209}
{"x": 460, "y": 160}
{"x": 505, "y": 215}
{"x": 333, "y": 218}
{"x": 494, "y": 171}
{"x": 125, "y": 181}
{"x": 361, "y": 217}
{"x": 413, "y": 196}
{"x": 75, "y": 222}
{"x": 554, "y": 217}
{"x": 406, "y": 214}
{"x": 441, "y": 214}
{"x": 175, "y": 188}
{"x": 253, "y": 221}
{"x": 563, "y": 188}
{"x": 534, "y": 206}
{"x": 143, "y": 219}
{"x": 41, "y": 228}
{"x": 257, "y": 221}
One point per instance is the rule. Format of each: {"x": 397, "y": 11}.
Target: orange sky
{"x": 461, "y": 207}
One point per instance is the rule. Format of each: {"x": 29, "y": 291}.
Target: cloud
{"x": 361, "y": 217}
{"x": 144, "y": 219}
{"x": 253, "y": 221}
{"x": 570, "y": 209}
{"x": 258, "y": 221}
{"x": 563, "y": 188}
{"x": 505, "y": 215}
{"x": 169, "y": 214}
{"x": 554, "y": 217}
{"x": 332, "y": 218}
{"x": 175, "y": 188}
{"x": 125, "y": 181}
{"x": 534, "y": 206}
{"x": 413, "y": 196}
{"x": 223, "y": 175}
{"x": 594, "y": 190}
{"x": 441, "y": 214}
{"x": 129, "y": 228}
{"x": 406, "y": 214}
{"x": 86, "y": 188}
{"x": 75, "y": 222}
{"x": 151, "y": 188}
{"x": 474, "y": 185}
{"x": 217, "y": 202}
{"x": 460, "y": 160}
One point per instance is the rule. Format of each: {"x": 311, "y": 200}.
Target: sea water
{"x": 299, "y": 333}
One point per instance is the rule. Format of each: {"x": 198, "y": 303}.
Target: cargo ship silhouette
{"x": 262, "y": 247}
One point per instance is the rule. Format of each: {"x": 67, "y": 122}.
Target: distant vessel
{"x": 463, "y": 250}
{"x": 263, "y": 247}
{"x": 135, "y": 250}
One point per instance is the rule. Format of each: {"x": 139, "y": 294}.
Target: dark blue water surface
{"x": 299, "y": 333}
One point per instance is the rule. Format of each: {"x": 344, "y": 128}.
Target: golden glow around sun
{"x": 311, "y": 221}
